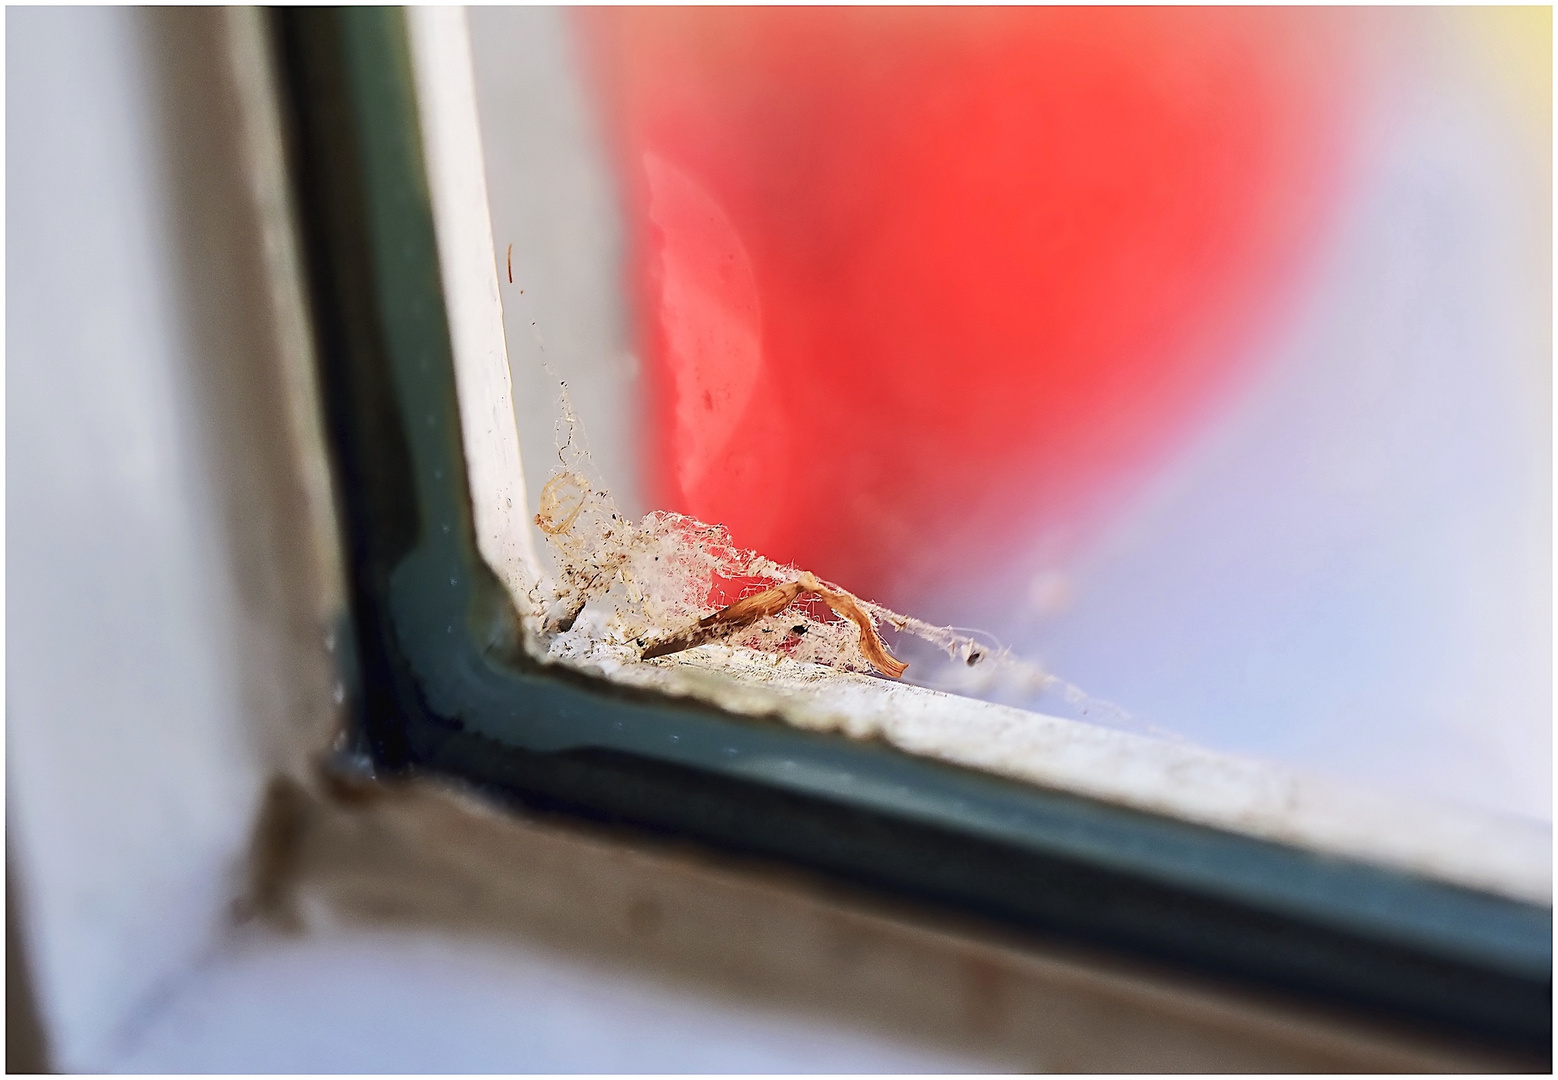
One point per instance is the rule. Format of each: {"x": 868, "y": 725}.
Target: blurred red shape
{"x": 913, "y": 284}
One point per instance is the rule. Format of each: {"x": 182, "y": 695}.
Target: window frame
{"x": 442, "y": 685}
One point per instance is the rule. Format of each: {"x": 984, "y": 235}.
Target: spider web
{"x": 619, "y": 584}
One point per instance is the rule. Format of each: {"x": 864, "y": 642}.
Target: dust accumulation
{"x": 626, "y": 592}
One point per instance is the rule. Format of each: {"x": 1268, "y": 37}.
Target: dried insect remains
{"x": 745, "y": 612}
{"x": 624, "y": 594}
{"x": 650, "y": 586}
{"x": 643, "y": 590}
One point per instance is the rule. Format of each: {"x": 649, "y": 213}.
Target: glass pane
{"x": 1200, "y": 356}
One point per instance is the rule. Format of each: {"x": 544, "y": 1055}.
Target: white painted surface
{"x": 1504, "y": 854}
{"x": 131, "y": 784}
{"x": 403, "y": 1002}
{"x": 446, "y": 99}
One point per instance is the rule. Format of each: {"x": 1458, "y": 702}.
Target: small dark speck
{"x": 974, "y": 658}
{"x": 798, "y": 629}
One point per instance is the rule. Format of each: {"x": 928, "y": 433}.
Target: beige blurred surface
{"x": 418, "y": 856}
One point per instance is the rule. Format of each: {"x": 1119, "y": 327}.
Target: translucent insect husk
{"x": 652, "y": 582}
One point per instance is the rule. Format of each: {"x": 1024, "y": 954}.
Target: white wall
{"x": 133, "y": 765}
{"x": 130, "y": 787}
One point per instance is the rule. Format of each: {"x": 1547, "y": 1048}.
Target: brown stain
{"x": 435, "y": 857}
{"x": 985, "y": 992}
{"x": 275, "y": 855}
{"x": 845, "y": 944}
{"x": 645, "y": 916}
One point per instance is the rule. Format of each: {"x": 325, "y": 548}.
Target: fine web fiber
{"x": 619, "y": 585}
